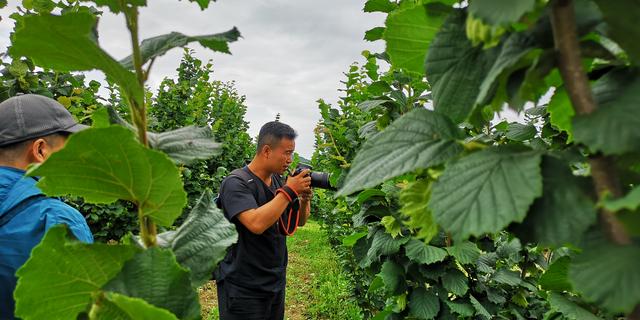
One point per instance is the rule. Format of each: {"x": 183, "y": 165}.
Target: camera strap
{"x": 293, "y": 207}
{"x": 256, "y": 188}
{"x": 260, "y": 196}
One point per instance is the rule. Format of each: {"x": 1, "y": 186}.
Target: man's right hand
{"x": 300, "y": 183}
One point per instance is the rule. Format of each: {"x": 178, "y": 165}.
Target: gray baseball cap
{"x": 31, "y": 116}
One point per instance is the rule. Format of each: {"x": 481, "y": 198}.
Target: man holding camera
{"x": 251, "y": 279}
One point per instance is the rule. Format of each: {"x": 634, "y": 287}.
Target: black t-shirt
{"x": 255, "y": 262}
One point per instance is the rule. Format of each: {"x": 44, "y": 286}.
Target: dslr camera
{"x": 318, "y": 179}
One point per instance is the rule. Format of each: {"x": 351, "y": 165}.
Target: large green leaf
{"x": 630, "y": 201}
{"x": 379, "y": 6}
{"x": 487, "y": 262}
{"x": 186, "y": 145}
{"x": 360, "y": 250}
{"x": 456, "y": 70}
{"x": 486, "y": 191}
{"x": 462, "y": 308}
{"x": 423, "y": 304}
{"x": 409, "y": 32}
{"x": 565, "y": 210}
{"x": 480, "y": 309}
{"x": 103, "y": 165}
{"x": 100, "y": 118}
{"x": 419, "y": 139}
{"x": 62, "y": 275}
{"x": 375, "y": 284}
{"x": 350, "y": 241}
{"x": 66, "y": 43}
{"x": 509, "y": 250}
{"x": 622, "y": 18}
{"x": 423, "y": 253}
{"x": 392, "y": 225}
{"x": 568, "y": 308}
{"x": 369, "y": 213}
{"x": 455, "y": 282}
{"x": 521, "y": 132}
{"x": 40, "y": 6}
{"x": 613, "y": 127}
{"x": 374, "y": 34}
{"x": 183, "y": 145}
{"x": 370, "y": 194}
{"x": 556, "y": 278}
{"x": 500, "y": 12}
{"x": 159, "y": 45}
{"x": 561, "y": 112}
{"x": 370, "y": 105}
{"x": 606, "y": 273}
{"x": 382, "y": 244}
{"x": 508, "y": 277}
{"x": 154, "y": 276}
{"x": 392, "y": 275}
{"x": 414, "y": 199}
{"x": 466, "y": 252}
{"x": 119, "y": 307}
{"x": 202, "y": 240}
{"x": 515, "y": 48}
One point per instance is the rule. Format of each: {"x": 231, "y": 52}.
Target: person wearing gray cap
{"x": 32, "y": 127}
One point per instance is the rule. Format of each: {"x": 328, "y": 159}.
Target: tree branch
{"x": 577, "y": 84}
{"x": 148, "y": 230}
{"x": 138, "y": 112}
{"x": 575, "y": 80}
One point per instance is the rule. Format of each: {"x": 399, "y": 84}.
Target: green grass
{"x": 315, "y": 282}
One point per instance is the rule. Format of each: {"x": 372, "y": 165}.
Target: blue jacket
{"x": 33, "y": 214}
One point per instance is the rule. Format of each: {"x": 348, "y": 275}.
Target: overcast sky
{"x": 292, "y": 52}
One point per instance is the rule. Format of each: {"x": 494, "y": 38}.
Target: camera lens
{"x": 320, "y": 180}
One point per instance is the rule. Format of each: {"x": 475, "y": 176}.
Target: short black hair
{"x": 272, "y": 132}
{"x": 12, "y": 152}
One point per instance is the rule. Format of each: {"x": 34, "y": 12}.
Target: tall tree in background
{"x": 194, "y": 98}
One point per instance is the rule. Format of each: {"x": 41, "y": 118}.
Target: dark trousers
{"x": 234, "y": 304}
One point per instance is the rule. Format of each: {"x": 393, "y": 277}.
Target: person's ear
{"x": 266, "y": 150}
{"x": 39, "y": 151}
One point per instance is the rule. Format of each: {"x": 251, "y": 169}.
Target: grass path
{"x": 316, "y": 287}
